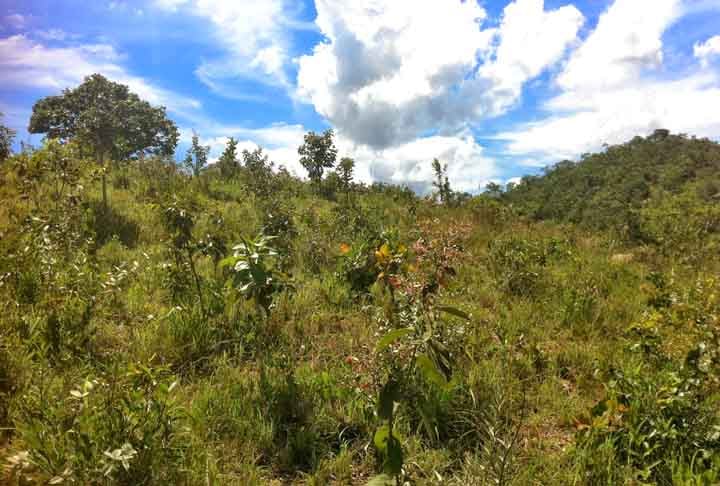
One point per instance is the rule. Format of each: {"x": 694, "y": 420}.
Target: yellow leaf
{"x": 344, "y": 248}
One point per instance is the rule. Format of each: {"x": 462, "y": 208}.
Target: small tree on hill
{"x": 441, "y": 182}
{"x": 196, "y": 157}
{"x": 345, "y": 173}
{"x": 258, "y": 172}
{"x": 115, "y": 123}
{"x": 317, "y": 154}
{"x": 228, "y": 161}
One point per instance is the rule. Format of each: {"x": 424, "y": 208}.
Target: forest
{"x": 168, "y": 319}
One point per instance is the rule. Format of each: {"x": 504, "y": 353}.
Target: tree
{"x": 197, "y": 156}
{"x": 345, "y": 171}
{"x": 318, "y": 153}
{"x": 345, "y": 174}
{"x": 6, "y": 139}
{"x": 115, "y": 123}
{"x": 258, "y": 171}
{"x": 228, "y": 162}
{"x": 441, "y": 182}
{"x": 493, "y": 189}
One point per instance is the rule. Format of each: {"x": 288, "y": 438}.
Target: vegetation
{"x": 235, "y": 325}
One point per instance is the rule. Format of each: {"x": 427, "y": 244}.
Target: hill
{"x": 236, "y": 325}
{"x": 662, "y": 189}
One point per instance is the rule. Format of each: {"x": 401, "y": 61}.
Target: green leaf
{"x": 381, "y": 438}
{"x": 391, "y": 337}
{"x": 389, "y": 394}
{"x": 429, "y": 370}
{"x": 454, "y": 311}
{"x": 228, "y": 262}
{"x": 388, "y": 445}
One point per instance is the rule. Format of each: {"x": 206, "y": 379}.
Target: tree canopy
{"x": 107, "y": 117}
{"x": 318, "y": 153}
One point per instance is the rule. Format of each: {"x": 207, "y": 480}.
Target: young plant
{"x": 179, "y": 221}
{"x": 253, "y": 273}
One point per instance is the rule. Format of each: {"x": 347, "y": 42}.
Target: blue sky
{"x": 496, "y": 89}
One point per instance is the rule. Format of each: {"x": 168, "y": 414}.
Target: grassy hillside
{"x": 257, "y": 329}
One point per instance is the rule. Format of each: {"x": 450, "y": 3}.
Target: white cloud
{"x": 410, "y": 163}
{"x": 627, "y": 41}
{"x": 392, "y": 70}
{"x": 689, "y": 105}
{"x": 256, "y": 38}
{"x": 530, "y": 40}
{"x": 16, "y": 20}
{"x": 25, "y": 63}
{"x": 280, "y": 141}
{"x": 614, "y": 87}
{"x": 705, "y": 50}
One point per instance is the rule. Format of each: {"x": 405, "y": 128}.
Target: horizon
{"x": 497, "y": 90}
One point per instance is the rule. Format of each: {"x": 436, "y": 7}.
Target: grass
{"x": 227, "y": 393}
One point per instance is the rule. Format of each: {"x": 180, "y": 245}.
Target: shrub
{"x": 121, "y": 426}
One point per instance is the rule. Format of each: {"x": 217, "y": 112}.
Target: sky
{"x": 495, "y": 89}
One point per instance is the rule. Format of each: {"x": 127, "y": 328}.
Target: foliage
{"x": 228, "y": 162}
{"x": 561, "y": 332}
{"x": 441, "y": 182}
{"x": 108, "y": 118}
{"x": 318, "y": 153}
{"x": 252, "y": 271}
{"x": 7, "y": 135}
{"x": 121, "y": 426}
{"x": 197, "y": 156}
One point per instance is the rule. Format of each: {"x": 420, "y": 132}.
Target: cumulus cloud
{"x": 613, "y": 87}
{"x": 707, "y": 50}
{"x": 25, "y": 63}
{"x": 410, "y": 163}
{"x": 690, "y": 105}
{"x": 627, "y": 41}
{"x": 530, "y": 39}
{"x": 390, "y": 70}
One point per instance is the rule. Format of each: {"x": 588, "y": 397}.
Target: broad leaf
{"x": 391, "y": 337}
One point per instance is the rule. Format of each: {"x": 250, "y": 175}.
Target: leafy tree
{"x": 345, "y": 171}
{"x": 258, "y": 171}
{"x": 6, "y": 139}
{"x": 441, "y": 182}
{"x": 228, "y": 162}
{"x": 318, "y": 153}
{"x": 114, "y": 122}
{"x": 493, "y": 189}
{"x": 197, "y": 156}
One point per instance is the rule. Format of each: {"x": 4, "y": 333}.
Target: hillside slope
{"x": 653, "y": 189}
{"x": 256, "y": 329}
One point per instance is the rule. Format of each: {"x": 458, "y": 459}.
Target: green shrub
{"x": 121, "y": 426}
